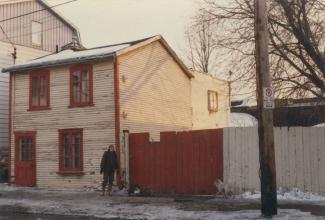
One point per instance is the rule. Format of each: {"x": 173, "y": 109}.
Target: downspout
{"x": 117, "y": 117}
{"x": 9, "y": 128}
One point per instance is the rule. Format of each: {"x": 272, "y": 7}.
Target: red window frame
{"x": 39, "y": 74}
{"x": 25, "y": 134}
{"x": 210, "y": 107}
{"x": 80, "y": 68}
{"x": 71, "y": 170}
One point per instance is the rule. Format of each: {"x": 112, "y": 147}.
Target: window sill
{"x": 38, "y": 109}
{"x": 213, "y": 111}
{"x": 71, "y": 173}
{"x": 81, "y": 106}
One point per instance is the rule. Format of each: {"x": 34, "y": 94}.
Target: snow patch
{"x": 295, "y": 194}
{"x": 242, "y": 120}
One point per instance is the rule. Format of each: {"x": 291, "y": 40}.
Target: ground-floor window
{"x": 25, "y": 144}
{"x": 71, "y": 150}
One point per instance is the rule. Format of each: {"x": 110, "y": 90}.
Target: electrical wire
{"x": 3, "y": 31}
{"x": 32, "y": 12}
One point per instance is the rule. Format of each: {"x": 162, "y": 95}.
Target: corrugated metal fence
{"x": 183, "y": 162}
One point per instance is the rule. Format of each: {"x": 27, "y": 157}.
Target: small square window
{"x": 212, "y": 101}
{"x": 36, "y": 34}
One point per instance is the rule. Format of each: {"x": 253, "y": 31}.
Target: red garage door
{"x": 183, "y": 162}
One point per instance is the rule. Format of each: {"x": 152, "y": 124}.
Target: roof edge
{"x": 60, "y": 17}
{"x": 164, "y": 44}
{"x": 36, "y": 66}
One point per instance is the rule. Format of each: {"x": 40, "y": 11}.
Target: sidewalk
{"x": 15, "y": 201}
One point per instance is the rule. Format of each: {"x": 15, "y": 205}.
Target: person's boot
{"x": 103, "y": 191}
{"x": 109, "y": 190}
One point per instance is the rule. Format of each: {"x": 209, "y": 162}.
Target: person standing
{"x": 108, "y": 166}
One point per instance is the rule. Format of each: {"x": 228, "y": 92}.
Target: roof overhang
{"x": 54, "y": 63}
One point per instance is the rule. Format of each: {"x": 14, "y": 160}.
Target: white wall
{"x": 300, "y": 158}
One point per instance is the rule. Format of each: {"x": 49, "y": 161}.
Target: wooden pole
{"x": 265, "y": 114}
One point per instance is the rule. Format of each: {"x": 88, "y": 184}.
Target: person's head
{"x": 111, "y": 147}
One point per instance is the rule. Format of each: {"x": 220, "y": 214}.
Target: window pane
{"x": 76, "y": 86}
{"x": 85, "y": 86}
{"x": 36, "y": 33}
{"x": 35, "y": 91}
{"x": 25, "y": 148}
{"x": 66, "y": 163}
{"x": 76, "y": 150}
{"x": 43, "y": 92}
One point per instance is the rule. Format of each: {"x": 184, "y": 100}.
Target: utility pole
{"x": 265, "y": 105}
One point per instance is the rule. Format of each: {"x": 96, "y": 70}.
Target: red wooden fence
{"x": 184, "y": 162}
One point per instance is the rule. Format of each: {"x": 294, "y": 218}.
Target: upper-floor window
{"x": 81, "y": 85}
{"x": 36, "y": 33}
{"x": 39, "y": 90}
{"x": 212, "y": 101}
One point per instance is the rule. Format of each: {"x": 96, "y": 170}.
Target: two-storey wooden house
{"x": 28, "y": 29}
{"x": 66, "y": 108}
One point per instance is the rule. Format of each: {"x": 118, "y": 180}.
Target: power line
{"x": 32, "y": 12}
{"x": 3, "y": 31}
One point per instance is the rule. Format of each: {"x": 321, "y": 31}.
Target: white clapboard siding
{"x": 155, "y": 92}
{"x": 97, "y": 122}
{"x": 299, "y": 156}
{"x": 23, "y": 54}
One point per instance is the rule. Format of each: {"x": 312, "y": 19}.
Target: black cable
{"x": 32, "y": 12}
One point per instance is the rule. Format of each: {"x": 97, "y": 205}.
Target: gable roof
{"x": 49, "y": 9}
{"x": 66, "y": 57}
{"x": 60, "y": 17}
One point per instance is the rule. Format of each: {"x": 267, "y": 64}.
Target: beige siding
{"x": 23, "y": 54}
{"x": 202, "y": 118}
{"x": 155, "y": 92}
{"x": 97, "y": 122}
{"x": 299, "y": 157}
{"x": 19, "y": 30}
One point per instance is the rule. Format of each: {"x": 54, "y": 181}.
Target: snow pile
{"x": 242, "y": 120}
{"x": 4, "y": 187}
{"x": 295, "y": 194}
{"x": 320, "y": 125}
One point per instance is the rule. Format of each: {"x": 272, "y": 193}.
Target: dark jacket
{"x": 109, "y": 162}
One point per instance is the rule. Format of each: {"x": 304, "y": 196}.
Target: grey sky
{"x": 112, "y": 21}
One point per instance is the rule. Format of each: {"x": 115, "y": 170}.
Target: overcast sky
{"x": 103, "y": 22}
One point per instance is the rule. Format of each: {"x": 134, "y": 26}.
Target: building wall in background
{"x": 23, "y": 54}
{"x": 202, "y": 117}
{"x": 19, "y": 30}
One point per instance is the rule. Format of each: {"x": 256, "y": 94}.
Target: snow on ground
{"x": 75, "y": 203}
{"x": 295, "y": 194}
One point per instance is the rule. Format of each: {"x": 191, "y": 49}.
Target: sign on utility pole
{"x": 265, "y": 105}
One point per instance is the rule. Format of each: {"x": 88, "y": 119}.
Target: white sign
{"x": 268, "y": 97}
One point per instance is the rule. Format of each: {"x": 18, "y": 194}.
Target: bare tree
{"x": 201, "y": 44}
{"x": 297, "y": 42}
